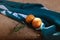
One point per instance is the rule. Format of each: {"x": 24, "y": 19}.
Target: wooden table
{"x": 6, "y": 24}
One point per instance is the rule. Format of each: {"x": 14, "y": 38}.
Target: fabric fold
{"x": 51, "y": 19}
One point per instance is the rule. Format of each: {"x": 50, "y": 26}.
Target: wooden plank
{"x": 7, "y": 25}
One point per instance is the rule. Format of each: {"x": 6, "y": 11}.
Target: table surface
{"x": 7, "y": 23}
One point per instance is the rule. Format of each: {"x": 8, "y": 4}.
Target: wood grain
{"x": 7, "y": 25}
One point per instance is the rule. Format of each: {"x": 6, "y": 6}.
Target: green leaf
{"x": 18, "y": 28}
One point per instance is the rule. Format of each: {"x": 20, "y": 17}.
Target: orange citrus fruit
{"x": 29, "y": 18}
{"x": 36, "y": 23}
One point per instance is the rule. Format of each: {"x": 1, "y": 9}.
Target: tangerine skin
{"x": 36, "y": 23}
{"x": 29, "y": 18}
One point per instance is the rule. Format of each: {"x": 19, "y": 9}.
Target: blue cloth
{"x": 51, "y": 28}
